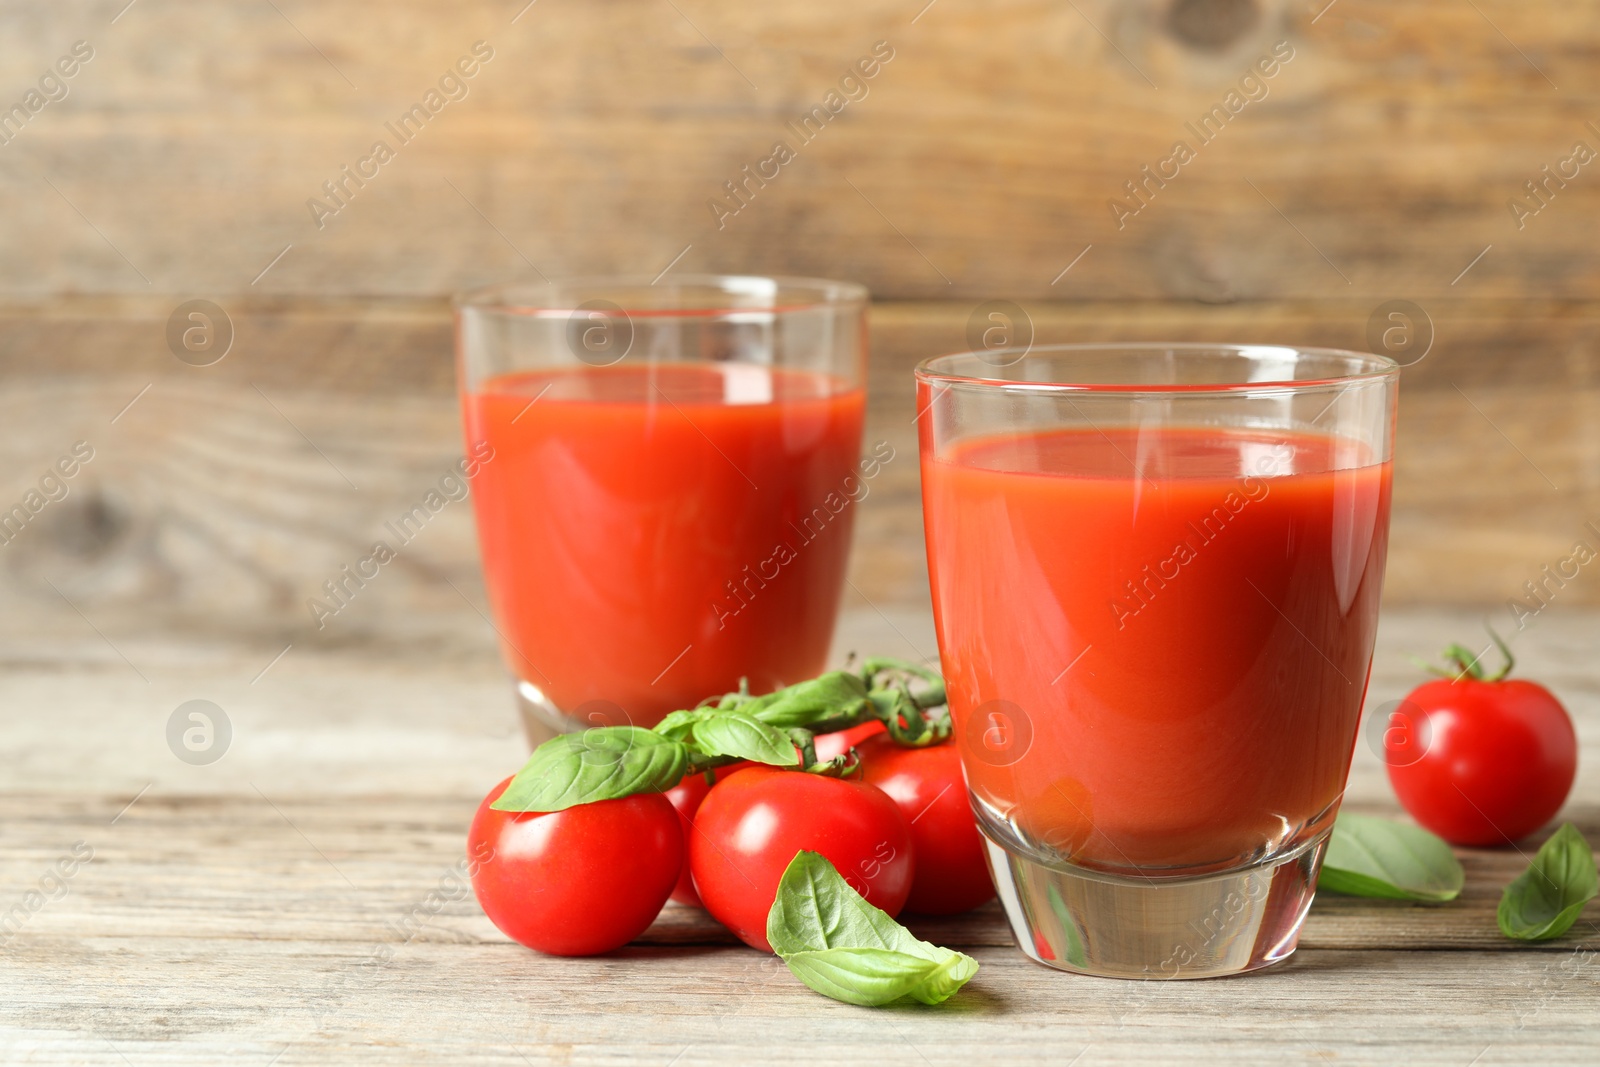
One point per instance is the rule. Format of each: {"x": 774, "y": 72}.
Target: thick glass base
{"x": 1088, "y": 922}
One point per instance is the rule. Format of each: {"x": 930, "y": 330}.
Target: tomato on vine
{"x": 686, "y": 797}
{"x": 831, "y": 746}
{"x": 751, "y": 825}
{"x": 580, "y": 881}
{"x": 927, "y": 783}
{"x": 581, "y": 834}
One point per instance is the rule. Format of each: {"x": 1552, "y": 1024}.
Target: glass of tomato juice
{"x": 665, "y": 484}
{"x": 1156, "y": 571}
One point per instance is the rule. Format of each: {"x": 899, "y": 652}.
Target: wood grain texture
{"x": 312, "y": 1002}
{"x": 275, "y": 863}
{"x": 224, "y": 496}
{"x": 982, "y": 160}
{"x": 295, "y": 902}
{"x": 300, "y": 899}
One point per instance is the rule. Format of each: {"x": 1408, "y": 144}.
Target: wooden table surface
{"x": 299, "y": 900}
{"x": 294, "y": 902}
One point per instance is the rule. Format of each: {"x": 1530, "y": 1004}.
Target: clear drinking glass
{"x": 664, "y": 482}
{"x": 1156, "y": 571}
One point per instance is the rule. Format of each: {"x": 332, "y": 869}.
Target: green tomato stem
{"x": 1467, "y": 664}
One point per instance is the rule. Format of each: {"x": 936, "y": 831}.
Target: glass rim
{"x": 1375, "y": 368}
{"x": 522, "y": 298}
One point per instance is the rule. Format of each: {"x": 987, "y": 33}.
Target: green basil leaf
{"x": 679, "y": 725}
{"x": 733, "y": 733}
{"x": 1544, "y": 900}
{"x": 830, "y": 696}
{"x": 872, "y": 977}
{"x": 1370, "y": 857}
{"x": 599, "y": 764}
{"x": 844, "y": 948}
{"x": 815, "y": 908}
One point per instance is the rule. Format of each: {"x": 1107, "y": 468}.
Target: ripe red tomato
{"x": 576, "y": 882}
{"x": 952, "y": 875}
{"x": 1498, "y": 759}
{"x": 754, "y": 822}
{"x": 686, "y": 798}
{"x": 840, "y": 742}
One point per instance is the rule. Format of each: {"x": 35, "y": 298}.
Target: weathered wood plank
{"x": 386, "y": 346}
{"x": 993, "y": 141}
{"x": 98, "y": 1000}
{"x": 288, "y": 866}
{"x": 349, "y": 779}
{"x": 298, "y": 899}
{"x": 361, "y": 719}
{"x": 224, "y": 496}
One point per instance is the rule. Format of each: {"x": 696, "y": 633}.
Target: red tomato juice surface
{"x": 651, "y": 534}
{"x": 1165, "y": 670}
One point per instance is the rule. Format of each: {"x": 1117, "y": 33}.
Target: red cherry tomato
{"x": 837, "y": 744}
{"x": 952, "y": 875}
{"x": 1497, "y": 758}
{"x": 686, "y": 798}
{"x": 576, "y": 882}
{"x": 753, "y": 823}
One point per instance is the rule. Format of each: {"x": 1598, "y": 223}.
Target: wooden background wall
{"x": 991, "y": 142}
{"x": 980, "y": 164}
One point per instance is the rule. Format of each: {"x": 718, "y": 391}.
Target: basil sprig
{"x": 742, "y": 736}
{"x": 1370, "y": 857}
{"x": 614, "y": 761}
{"x": 839, "y": 945}
{"x": 777, "y": 729}
{"x": 837, "y": 694}
{"x": 1544, "y": 900}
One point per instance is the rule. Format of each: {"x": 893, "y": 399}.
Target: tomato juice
{"x": 653, "y": 533}
{"x": 1156, "y": 640}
